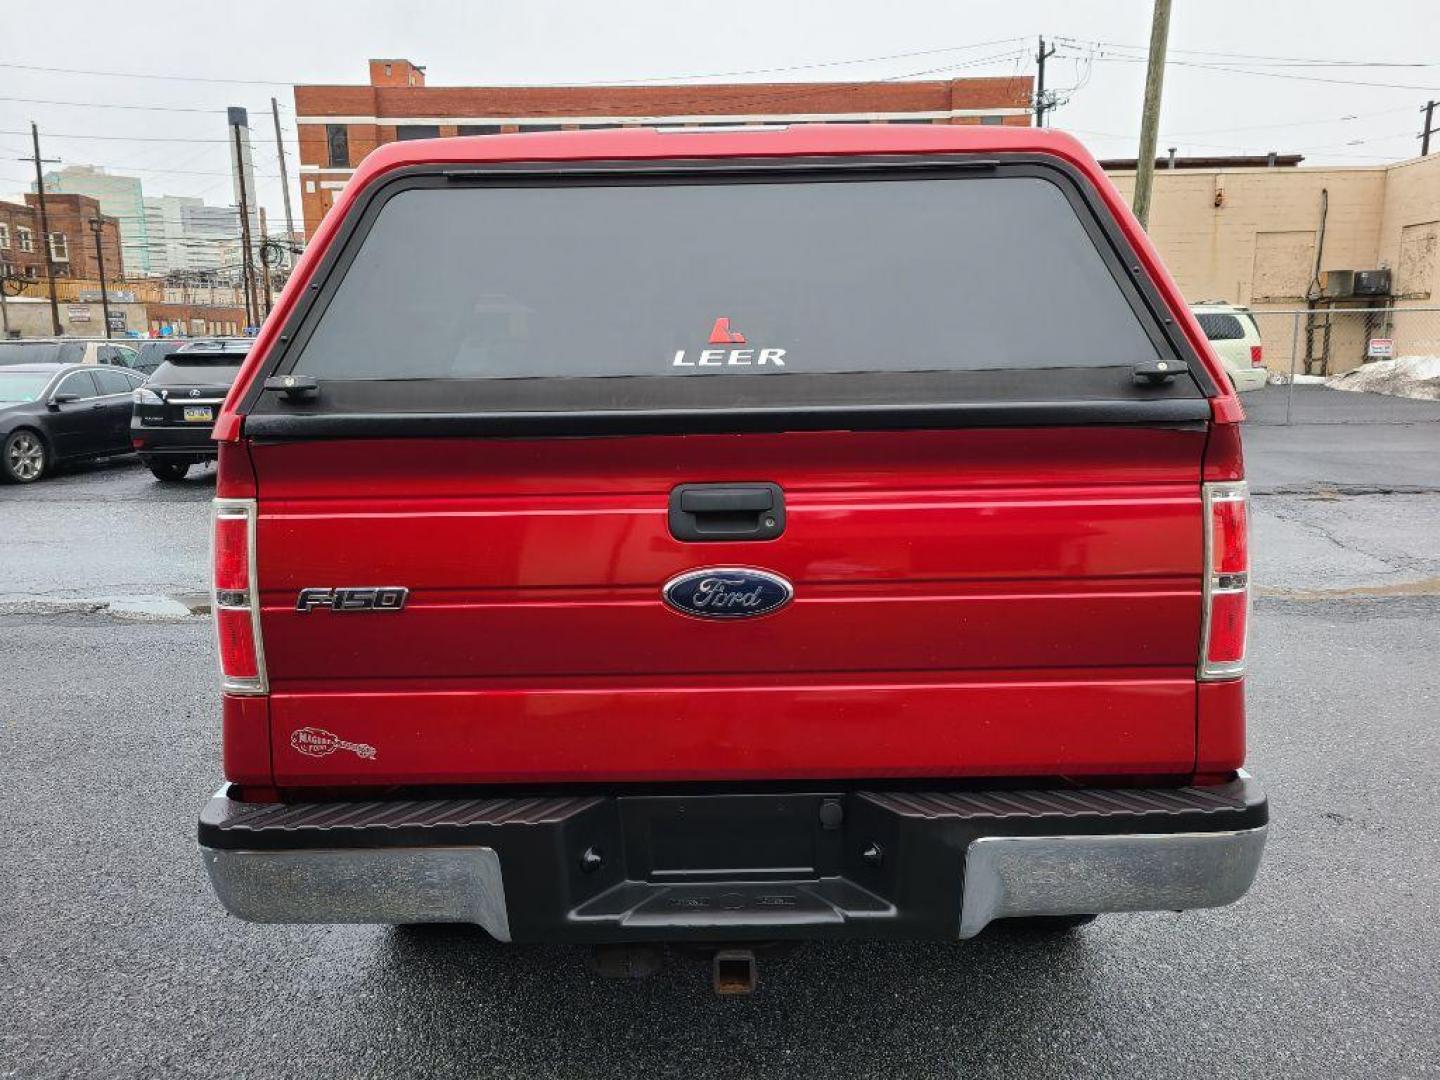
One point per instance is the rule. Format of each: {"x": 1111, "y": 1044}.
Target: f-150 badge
{"x": 317, "y": 742}
{"x": 358, "y": 598}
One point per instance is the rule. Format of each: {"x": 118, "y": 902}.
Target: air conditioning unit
{"x": 1372, "y": 282}
{"x": 1337, "y": 284}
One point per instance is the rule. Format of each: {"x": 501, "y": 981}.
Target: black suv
{"x": 174, "y": 411}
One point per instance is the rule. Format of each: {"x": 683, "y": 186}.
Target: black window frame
{"x": 337, "y": 146}
{"x": 1173, "y": 402}
{"x": 411, "y": 132}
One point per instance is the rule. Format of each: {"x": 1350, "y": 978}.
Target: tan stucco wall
{"x": 1248, "y": 236}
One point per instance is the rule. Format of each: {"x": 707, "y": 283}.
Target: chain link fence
{"x": 1329, "y": 340}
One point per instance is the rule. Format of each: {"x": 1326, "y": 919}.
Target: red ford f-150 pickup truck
{"x": 646, "y": 536}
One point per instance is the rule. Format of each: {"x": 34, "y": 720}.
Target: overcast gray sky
{"x": 1272, "y": 96}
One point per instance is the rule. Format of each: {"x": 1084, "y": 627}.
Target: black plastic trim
{"x": 716, "y": 421}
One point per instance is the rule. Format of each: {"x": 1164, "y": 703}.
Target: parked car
{"x": 1232, "y": 333}
{"x": 66, "y": 351}
{"x": 879, "y": 572}
{"x": 149, "y": 354}
{"x": 174, "y": 411}
{"x": 53, "y": 413}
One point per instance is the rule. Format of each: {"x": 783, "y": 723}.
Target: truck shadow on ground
{"x": 861, "y": 1008}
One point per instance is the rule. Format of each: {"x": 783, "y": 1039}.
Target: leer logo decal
{"x": 727, "y": 592}
{"x": 722, "y": 334}
{"x": 317, "y": 742}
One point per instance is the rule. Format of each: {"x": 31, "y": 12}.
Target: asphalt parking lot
{"x": 116, "y": 961}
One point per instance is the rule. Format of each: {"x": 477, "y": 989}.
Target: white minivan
{"x": 1236, "y": 340}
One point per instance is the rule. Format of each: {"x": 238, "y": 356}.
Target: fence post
{"x": 1294, "y": 356}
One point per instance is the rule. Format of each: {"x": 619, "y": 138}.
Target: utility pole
{"x": 284, "y": 176}
{"x": 1041, "y": 105}
{"x": 1429, "y": 111}
{"x": 96, "y": 226}
{"x": 1150, "y": 118}
{"x": 247, "y": 268}
{"x": 45, "y": 228}
{"x": 265, "y": 262}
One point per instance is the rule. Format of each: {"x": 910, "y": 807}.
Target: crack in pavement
{"x": 148, "y": 606}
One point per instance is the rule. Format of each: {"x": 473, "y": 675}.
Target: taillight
{"x": 1257, "y": 356}
{"x": 235, "y": 600}
{"x": 1227, "y": 580}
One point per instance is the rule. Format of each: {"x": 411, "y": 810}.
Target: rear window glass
{"x": 708, "y": 280}
{"x": 1220, "y": 327}
{"x": 196, "y": 370}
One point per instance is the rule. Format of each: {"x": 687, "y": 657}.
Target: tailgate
{"x": 966, "y": 603}
{"x": 991, "y": 529}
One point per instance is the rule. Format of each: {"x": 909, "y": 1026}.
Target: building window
{"x": 337, "y": 144}
{"x": 25, "y": 237}
{"x": 4, "y": 235}
{"x": 992, "y": 120}
{"x": 405, "y": 132}
{"x": 478, "y": 129}
{"x": 539, "y": 127}
{"x": 59, "y": 247}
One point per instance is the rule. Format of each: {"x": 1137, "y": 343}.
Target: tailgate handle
{"x": 700, "y": 512}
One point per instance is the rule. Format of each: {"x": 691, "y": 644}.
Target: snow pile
{"x": 1406, "y": 376}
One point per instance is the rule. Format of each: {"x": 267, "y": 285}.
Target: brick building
{"x": 72, "y": 241}
{"x": 339, "y": 125}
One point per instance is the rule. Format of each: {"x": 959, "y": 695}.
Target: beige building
{"x": 1251, "y": 236}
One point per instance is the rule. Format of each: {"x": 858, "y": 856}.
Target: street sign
{"x": 78, "y": 312}
{"x": 1380, "y": 348}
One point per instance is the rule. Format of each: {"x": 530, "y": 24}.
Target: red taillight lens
{"x": 1227, "y": 630}
{"x": 237, "y": 611}
{"x": 1257, "y": 356}
{"x": 237, "y": 644}
{"x": 1227, "y": 580}
{"x": 1230, "y": 536}
{"x": 232, "y": 553}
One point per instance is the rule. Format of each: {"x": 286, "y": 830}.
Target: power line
{"x": 114, "y": 105}
{"x": 1289, "y": 124}
{"x": 604, "y": 82}
{"x": 797, "y": 67}
{"x": 139, "y": 75}
{"x": 801, "y": 92}
{"x": 1272, "y": 74}
{"x": 1247, "y": 56}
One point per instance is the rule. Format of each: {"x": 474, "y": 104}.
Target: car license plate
{"x": 199, "y": 413}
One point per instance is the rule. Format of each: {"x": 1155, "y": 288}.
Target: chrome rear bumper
{"x": 362, "y": 885}
{"x": 1018, "y": 876}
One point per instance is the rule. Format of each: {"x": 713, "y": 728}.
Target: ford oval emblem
{"x": 727, "y": 592}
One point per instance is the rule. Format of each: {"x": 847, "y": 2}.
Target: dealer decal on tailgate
{"x": 317, "y": 742}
